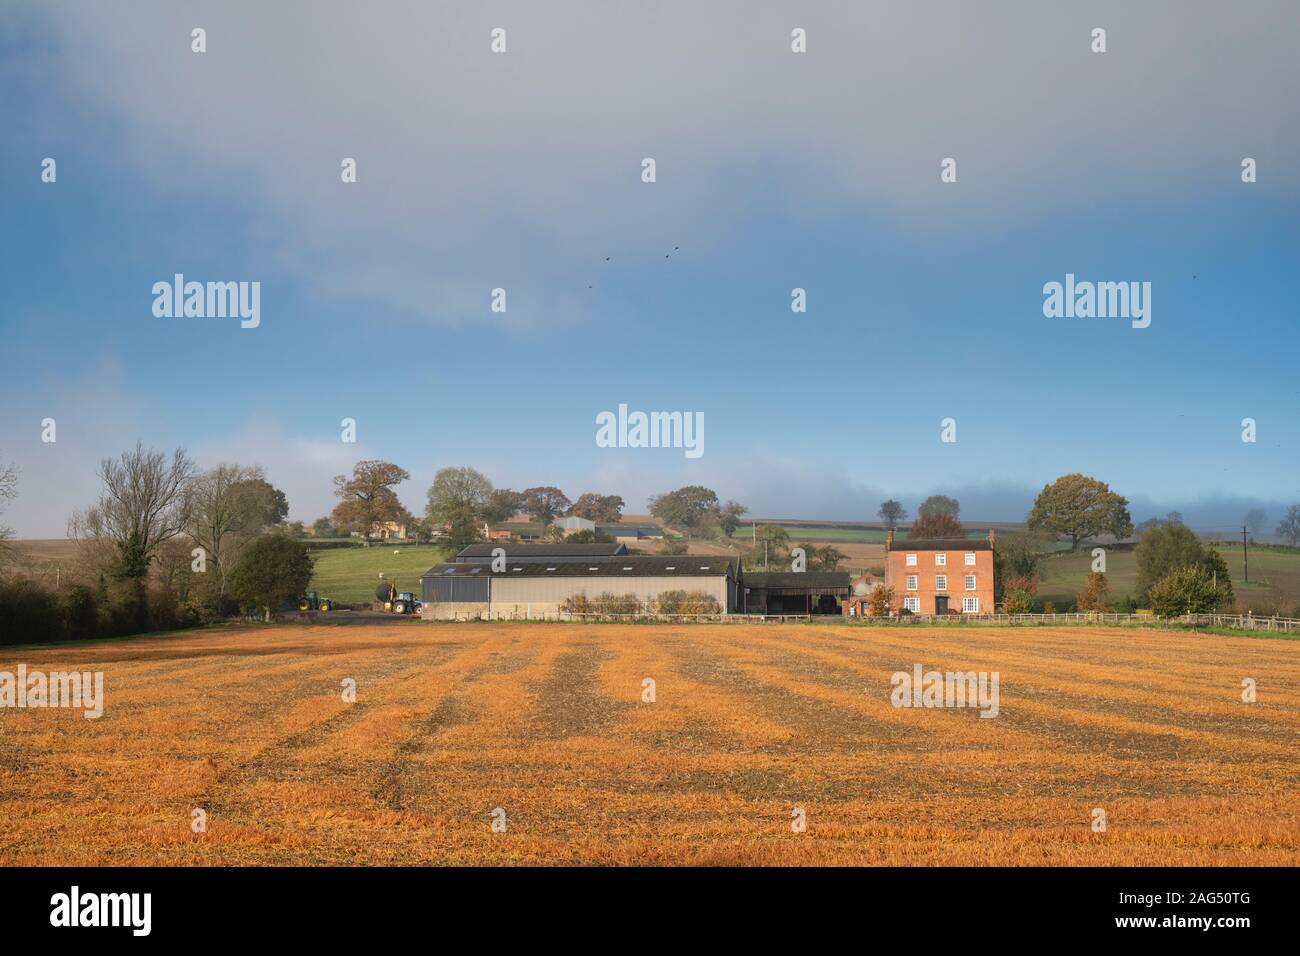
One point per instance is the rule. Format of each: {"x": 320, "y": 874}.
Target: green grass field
{"x": 1063, "y": 576}
{"x": 351, "y": 574}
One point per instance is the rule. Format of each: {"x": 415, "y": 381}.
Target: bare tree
{"x": 224, "y": 515}
{"x": 1289, "y": 528}
{"x": 143, "y": 505}
{"x": 8, "y": 492}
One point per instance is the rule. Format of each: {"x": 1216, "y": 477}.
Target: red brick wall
{"x": 956, "y": 569}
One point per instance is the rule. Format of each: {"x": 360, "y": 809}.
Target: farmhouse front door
{"x": 941, "y": 604}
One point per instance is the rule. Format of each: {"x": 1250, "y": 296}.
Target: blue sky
{"x": 775, "y": 171}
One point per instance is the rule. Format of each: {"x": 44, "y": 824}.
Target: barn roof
{"x": 626, "y": 566}
{"x": 797, "y": 580}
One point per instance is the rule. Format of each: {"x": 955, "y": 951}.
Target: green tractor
{"x": 311, "y": 601}
{"x": 399, "y": 602}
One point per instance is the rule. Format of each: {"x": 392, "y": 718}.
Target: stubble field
{"x": 749, "y": 722}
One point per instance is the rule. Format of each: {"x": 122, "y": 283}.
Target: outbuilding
{"x": 538, "y": 589}
{"x": 795, "y": 592}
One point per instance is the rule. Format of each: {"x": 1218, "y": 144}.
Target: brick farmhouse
{"x": 940, "y": 575}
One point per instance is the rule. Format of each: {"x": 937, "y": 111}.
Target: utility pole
{"x": 1245, "y": 559}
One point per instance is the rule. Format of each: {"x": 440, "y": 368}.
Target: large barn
{"x": 534, "y": 581}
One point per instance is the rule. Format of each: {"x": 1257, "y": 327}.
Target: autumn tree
{"x": 690, "y": 508}
{"x": 1095, "y": 593}
{"x": 937, "y": 525}
{"x": 602, "y": 509}
{"x": 1017, "y": 592}
{"x": 892, "y": 513}
{"x": 545, "y": 503}
{"x": 368, "y": 498}
{"x": 1080, "y": 507}
{"x": 880, "y": 601}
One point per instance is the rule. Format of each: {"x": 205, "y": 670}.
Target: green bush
{"x": 1189, "y": 590}
{"x": 1019, "y": 602}
{"x": 272, "y": 572}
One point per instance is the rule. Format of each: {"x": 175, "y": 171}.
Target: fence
{"x": 594, "y": 617}
{"x": 1072, "y": 617}
{"x": 1243, "y": 621}
{"x": 1240, "y": 621}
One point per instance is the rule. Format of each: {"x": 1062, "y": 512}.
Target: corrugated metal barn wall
{"x": 523, "y": 590}
{"x": 443, "y": 589}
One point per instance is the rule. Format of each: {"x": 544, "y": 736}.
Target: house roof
{"x": 534, "y": 551}
{"x": 626, "y": 566}
{"x": 942, "y": 544}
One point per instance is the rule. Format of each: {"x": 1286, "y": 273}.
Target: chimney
{"x": 990, "y": 536}
{"x": 889, "y": 539}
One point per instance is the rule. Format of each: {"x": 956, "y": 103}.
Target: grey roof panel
{"x": 629, "y": 566}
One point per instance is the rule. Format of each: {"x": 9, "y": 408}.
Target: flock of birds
{"x": 666, "y": 256}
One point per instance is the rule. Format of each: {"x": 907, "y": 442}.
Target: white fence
{"x": 594, "y": 618}
{"x": 1073, "y": 617}
{"x": 1243, "y": 621}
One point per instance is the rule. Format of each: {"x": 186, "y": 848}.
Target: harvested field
{"x": 547, "y": 722}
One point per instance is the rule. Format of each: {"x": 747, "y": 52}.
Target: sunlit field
{"x": 748, "y": 724}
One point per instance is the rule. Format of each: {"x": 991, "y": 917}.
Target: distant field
{"x": 41, "y": 550}
{"x": 351, "y": 574}
{"x": 1063, "y": 575}
{"x": 819, "y": 533}
{"x": 749, "y": 723}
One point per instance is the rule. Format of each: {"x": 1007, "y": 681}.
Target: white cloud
{"x": 522, "y": 170}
